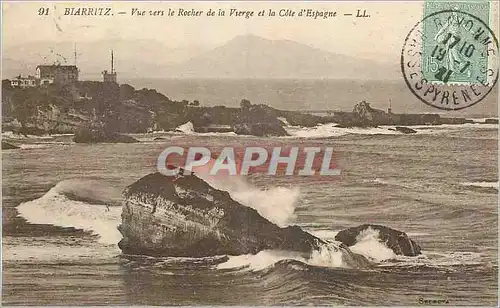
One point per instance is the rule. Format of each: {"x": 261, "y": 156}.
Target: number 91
{"x": 43, "y": 11}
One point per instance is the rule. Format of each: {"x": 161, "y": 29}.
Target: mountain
{"x": 250, "y": 56}
{"x": 245, "y": 56}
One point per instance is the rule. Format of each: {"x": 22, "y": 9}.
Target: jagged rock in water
{"x": 183, "y": 215}
{"x": 491, "y": 121}
{"x": 258, "y": 120}
{"x": 405, "y": 130}
{"x": 8, "y": 146}
{"x": 99, "y": 136}
{"x": 304, "y": 119}
{"x": 396, "y": 240}
{"x": 367, "y": 116}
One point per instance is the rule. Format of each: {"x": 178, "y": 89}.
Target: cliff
{"x": 86, "y": 104}
{"x": 363, "y": 115}
{"x": 122, "y": 109}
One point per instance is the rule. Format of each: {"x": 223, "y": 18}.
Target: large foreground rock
{"x": 100, "y": 136}
{"x": 184, "y": 216}
{"x": 396, "y": 240}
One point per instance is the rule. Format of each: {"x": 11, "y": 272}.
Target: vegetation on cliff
{"x": 87, "y": 104}
{"x": 108, "y": 108}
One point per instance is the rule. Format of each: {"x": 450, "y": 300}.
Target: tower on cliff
{"x": 110, "y": 77}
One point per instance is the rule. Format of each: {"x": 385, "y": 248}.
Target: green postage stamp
{"x": 450, "y": 58}
{"x": 451, "y": 51}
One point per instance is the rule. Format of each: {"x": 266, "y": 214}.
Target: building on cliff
{"x": 110, "y": 77}
{"x": 56, "y": 73}
{"x": 23, "y": 82}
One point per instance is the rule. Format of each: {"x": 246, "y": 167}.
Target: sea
{"x": 309, "y": 94}
{"x": 61, "y": 205}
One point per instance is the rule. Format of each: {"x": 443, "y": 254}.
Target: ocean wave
{"x": 41, "y": 145}
{"x": 330, "y": 130}
{"x": 481, "y": 120}
{"x": 188, "y": 129}
{"x": 436, "y": 260}
{"x": 328, "y": 255}
{"x": 55, "y": 251}
{"x": 276, "y": 204}
{"x": 12, "y": 135}
{"x": 449, "y": 127}
{"x": 368, "y": 244}
{"x": 397, "y": 183}
{"x": 34, "y": 146}
{"x": 481, "y": 184}
{"x": 71, "y": 204}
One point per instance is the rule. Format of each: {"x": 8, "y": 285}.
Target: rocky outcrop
{"x": 490, "y": 121}
{"x": 368, "y": 116}
{"x": 454, "y": 121}
{"x": 396, "y": 240}
{"x": 183, "y": 215}
{"x": 258, "y": 120}
{"x": 295, "y": 118}
{"x": 8, "y": 146}
{"x": 363, "y": 115}
{"x": 86, "y": 135}
{"x": 405, "y": 130}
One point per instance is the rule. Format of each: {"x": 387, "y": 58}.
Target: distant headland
{"x": 56, "y": 101}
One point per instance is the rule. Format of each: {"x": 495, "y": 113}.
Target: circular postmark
{"x": 450, "y": 60}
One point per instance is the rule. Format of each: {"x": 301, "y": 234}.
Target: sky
{"x": 379, "y": 36}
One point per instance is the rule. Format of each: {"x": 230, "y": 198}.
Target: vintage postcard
{"x": 250, "y": 153}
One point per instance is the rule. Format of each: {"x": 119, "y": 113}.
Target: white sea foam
{"x": 12, "y": 135}
{"x": 326, "y": 256}
{"x": 284, "y": 120}
{"x": 260, "y": 260}
{"x": 324, "y": 234}
{"x": 329, "y": 130}
{"x": 277, "y": 204}
{"x": 186, "y": 128}
{"x": 56, "y": 209}
{"x": 481, "y": 184}
{"x": 34, "y": 145}
{"x": 437, "y": 259}
{"x": 481, "y": 120}
{"x": 369, "y": 245}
